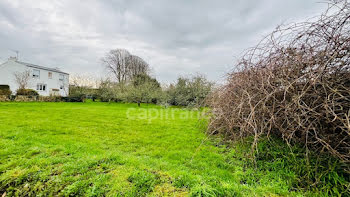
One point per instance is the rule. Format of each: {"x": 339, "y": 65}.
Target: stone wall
{"x": 20, "y": 98}
{"x": 4, "y": 98}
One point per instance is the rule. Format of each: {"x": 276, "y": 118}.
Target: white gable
{"x": 46, "y": 81}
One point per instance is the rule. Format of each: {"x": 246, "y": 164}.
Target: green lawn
{"x": 102, "y": 149}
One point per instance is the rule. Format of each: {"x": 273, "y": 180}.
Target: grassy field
{"x": 102, "y": 149}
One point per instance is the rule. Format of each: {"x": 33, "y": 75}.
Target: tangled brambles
{"x": 295, "y": 85}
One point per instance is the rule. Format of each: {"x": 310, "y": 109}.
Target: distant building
{"x": 46, "y": 81}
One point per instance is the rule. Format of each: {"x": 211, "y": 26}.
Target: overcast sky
{"x": 176, "y": 37}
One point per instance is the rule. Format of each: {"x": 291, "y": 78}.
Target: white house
{"x": 46, "y": 81}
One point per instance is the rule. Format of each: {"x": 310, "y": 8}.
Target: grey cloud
{"x": 175, "y": 37}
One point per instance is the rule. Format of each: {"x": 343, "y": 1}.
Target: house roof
{"x": 41, "y": 67}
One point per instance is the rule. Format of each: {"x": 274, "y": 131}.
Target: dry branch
{"x": 295, "y": 84}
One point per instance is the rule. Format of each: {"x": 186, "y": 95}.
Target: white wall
{"x": 8, "y": 69}
{"x": 53, "y": 83}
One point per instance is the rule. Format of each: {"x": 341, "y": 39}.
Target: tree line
{"x": 130, "y": 81}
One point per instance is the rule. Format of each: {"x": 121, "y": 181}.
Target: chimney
{"x": 13, "y": 59}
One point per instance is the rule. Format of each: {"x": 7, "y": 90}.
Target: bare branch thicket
{"x": 22, "y": 79}
{"x": 123, "y": 65}
{"x": 84, "y": 81}
{"x": 294, "y": 84}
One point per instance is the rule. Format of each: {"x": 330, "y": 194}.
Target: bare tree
{"x": 137, "y": 66}
{"x": 123, "y": 65}
{"x": 22, "y": 79}
{"x": 116, "y": 63}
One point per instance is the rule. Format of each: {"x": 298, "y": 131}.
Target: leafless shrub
{"x": 22, "y": 79}
{"x": 295, "y": 84}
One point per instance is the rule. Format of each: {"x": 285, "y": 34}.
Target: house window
{"x": 41, "y": 87}
{"x": 61, "y": 77}
{"x": 50, "y": 75}
{"x": 36, "y": 73}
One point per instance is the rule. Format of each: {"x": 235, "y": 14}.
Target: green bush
{"x": 4, "y": 87}
{"x": 27, "y": 92}
{"x": 5, "y": 90}
{"x": 83, "y": 92}
{"x": 189, "y": 91}
{"x": 72, "y": 99}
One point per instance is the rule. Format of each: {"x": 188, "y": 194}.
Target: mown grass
{"x": 111, "y": 149}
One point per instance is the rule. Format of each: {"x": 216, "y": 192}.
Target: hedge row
{"x": 5, "y": 90}
{"x": 25, "y": 98}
